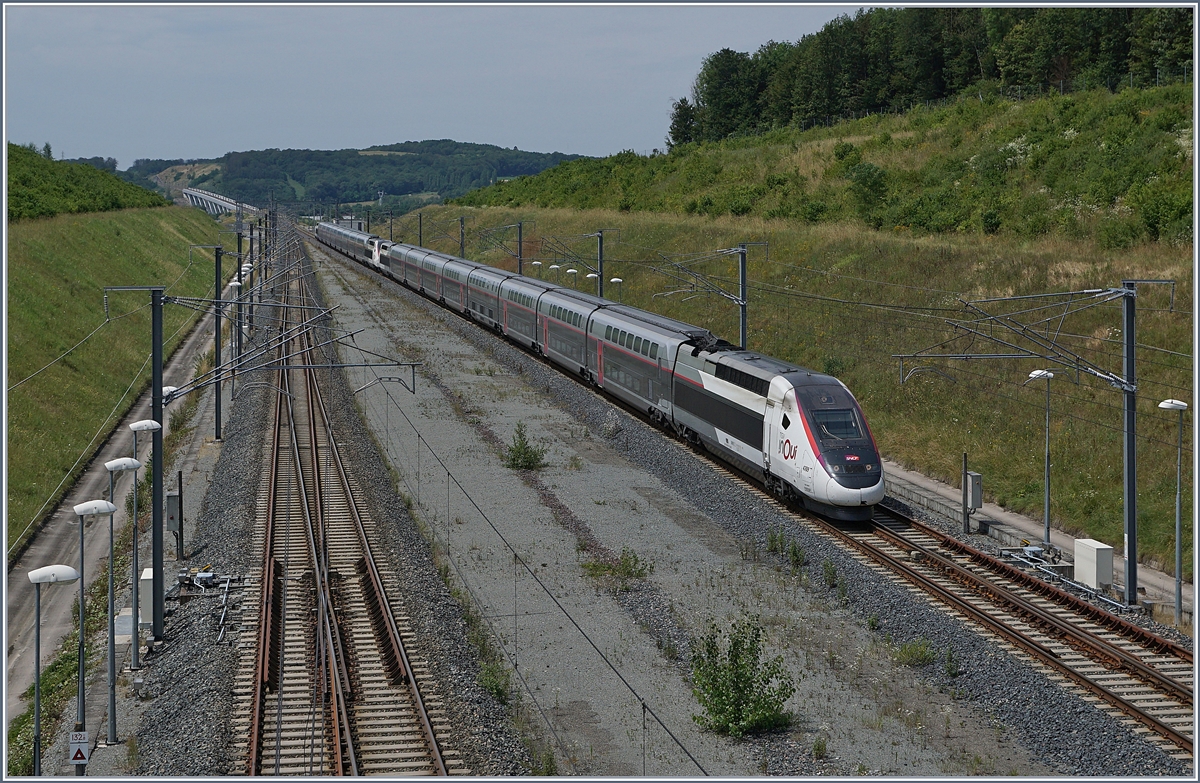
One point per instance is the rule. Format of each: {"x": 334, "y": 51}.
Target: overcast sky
{"x": 171, "y": 82}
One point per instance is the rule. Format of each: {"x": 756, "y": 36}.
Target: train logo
{"x": 787, "y": 449}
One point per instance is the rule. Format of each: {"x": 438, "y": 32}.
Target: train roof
{"x": 767, "y": 367}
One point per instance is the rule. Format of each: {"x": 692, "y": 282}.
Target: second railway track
{"x": 327, "y": 685}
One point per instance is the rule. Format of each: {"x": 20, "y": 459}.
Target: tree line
{"x": 445, "y": 167}
{"x": 888, "y": 59}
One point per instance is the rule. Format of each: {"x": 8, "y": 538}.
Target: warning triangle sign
{"x": 79, "y": 755}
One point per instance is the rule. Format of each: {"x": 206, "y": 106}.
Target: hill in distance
{"x": 409, "y": 174}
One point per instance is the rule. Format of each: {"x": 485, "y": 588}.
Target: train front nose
{"x": 855, "y": 496}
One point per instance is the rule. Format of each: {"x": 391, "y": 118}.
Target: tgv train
{"x": 801, "y": 432}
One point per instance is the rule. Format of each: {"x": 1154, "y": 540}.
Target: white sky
{"x": 172, "y": 81}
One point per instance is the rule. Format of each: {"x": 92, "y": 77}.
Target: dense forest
{"x": 888, "y": 59}
{"x": 440, "y": 168}
{"x": 39, "y": 186}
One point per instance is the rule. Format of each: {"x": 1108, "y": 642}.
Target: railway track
{"x": 327, "y": 684}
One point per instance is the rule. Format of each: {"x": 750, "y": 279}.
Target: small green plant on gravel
{"x": 523, "y": 455}
{"x": 820, "y": 749}
{"x": 796, "y": 555}
{"x": 830, "y": 572}
{"x": 951, "y": 663}
{"x": 544, "y": 764}
{"x": 873, "y": 622}
{"x": 493, "y": 677}
{"x": 131, "y": 753}
{"x": 775, "y": 540}
{"x": 917, "y": 653}
{"x": 739, "y": 691}
{"x": 627, "y": 568}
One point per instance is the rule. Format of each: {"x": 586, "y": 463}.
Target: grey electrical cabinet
{"x": 173, "y": 516}
{"x": 974, "y": 490}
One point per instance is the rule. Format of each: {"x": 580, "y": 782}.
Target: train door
{"x": 787, "y": 452}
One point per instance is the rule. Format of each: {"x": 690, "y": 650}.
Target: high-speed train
{"x": 801, "y": 432}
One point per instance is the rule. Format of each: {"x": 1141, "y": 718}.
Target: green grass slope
{"x": 41, "y": 187}
{"x": 844, "y": 299}
{"x": 58, "y": 267}
{"x": 1115, "y": 168}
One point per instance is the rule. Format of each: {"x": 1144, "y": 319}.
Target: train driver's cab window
{"x": 837, "y": 424}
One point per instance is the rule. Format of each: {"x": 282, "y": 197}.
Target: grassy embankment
{"x": 41, "y": 187}
{"x": 1113, "y": 168}
{"x": 812, "y": 304}
{"x": 57, "y": 270}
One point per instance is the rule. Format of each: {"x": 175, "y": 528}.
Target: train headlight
{"x": 836, "y": 468}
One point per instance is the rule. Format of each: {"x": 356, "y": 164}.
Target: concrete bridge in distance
{"x": 215, "y": 203}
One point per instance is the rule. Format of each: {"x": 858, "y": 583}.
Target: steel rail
{"x": 1054, "y": 625}
{"x": 336, "y": 678}
{"x": 393, "y": 641}
{"x": 265, "y": 619}
{"x": 1043, "y": 653}
{"x": 1096, "y": 614}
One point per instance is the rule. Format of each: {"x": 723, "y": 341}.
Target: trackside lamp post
{"x": 51, "y": 574}
{"x": 113, "y": 466}
{"x": 1046, "y": 375}
{"x": 1178, "y": 405}
{"x": 217, "y": 252}
{"x": 145, "y": 425}
{"x": 82, "y": 510}
{"x": 617, "y": 282}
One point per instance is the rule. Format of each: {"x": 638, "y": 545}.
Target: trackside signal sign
{"x": 80, "y": 748}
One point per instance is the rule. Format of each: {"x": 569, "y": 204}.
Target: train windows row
{"x": 563, "y": 314}
{"x": 631, "y": 341}
{"x": 521, "y": 298}
{"x": 747, "y": 381}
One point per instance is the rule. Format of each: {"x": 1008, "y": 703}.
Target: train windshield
{"x": 838, "y": 424}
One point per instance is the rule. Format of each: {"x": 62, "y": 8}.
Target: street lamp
{"x": 572, "y": 273}
{"x": 618, "y": 282}
{"x": 237, "y": 352}
{"x": 50, "y": 574}
{"x": 538, "y": 264}
{"x": 145, "y": 425}
{"x": 82, "y": 510}
{"x": 555, "y": 267}
{"x": 1178, "y": 405}
{"x": 115, "y": 465}
{"x": 594, "y": 276}
{"x": 1038, "y": 375}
